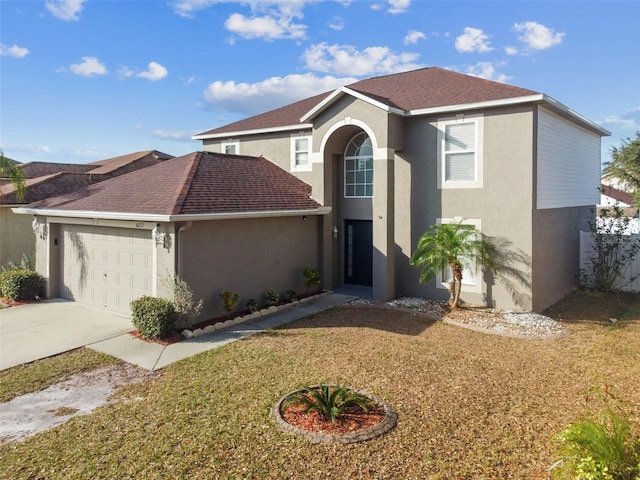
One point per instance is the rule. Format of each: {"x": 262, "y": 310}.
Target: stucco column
{"x": 383, "y": 225}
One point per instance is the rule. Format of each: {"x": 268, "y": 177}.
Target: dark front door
{"x": 358, "y": 254}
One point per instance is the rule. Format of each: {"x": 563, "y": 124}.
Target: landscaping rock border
{"x": 388, "y": 422}
{"x": 192, "y": 333}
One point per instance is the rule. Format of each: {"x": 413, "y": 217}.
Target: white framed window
{"x": 301, "y": 152}
{"x": 460, "y": 158}
{"x": 231, "y": 147}
{"x": 358, "y": 167}
{"x": 470, "y": 280}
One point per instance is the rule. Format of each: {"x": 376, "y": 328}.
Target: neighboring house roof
{"x": 417, "y": 92}
{"x": 45, "y": 179}
{"x": 149, "y": 157}
{"x": 617, "y": 195}
{"x": 200, "y": 183}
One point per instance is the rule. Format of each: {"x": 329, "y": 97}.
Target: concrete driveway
{"x": 39, "y": 330}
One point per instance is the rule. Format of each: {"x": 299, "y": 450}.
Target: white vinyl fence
{"x": 630, "y": 271}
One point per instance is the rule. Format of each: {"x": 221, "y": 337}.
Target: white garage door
{"x": 104, "y": 266}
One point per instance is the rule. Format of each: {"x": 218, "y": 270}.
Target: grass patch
{"x": 40, "y": 374}
{"x": 470, "y": 405}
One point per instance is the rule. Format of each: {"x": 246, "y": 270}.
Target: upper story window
{"x": 300, "y": 152}
{"x": 358, "y": 167}
{"x": 460, "y": 152}
{"x": 231, "y": 147}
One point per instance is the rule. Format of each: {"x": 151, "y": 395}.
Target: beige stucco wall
{"x": 556, "y": 252}
{"x": 248, "y": 256}
{"x": 503, "y": 205}
{"x": 16, "y": 236}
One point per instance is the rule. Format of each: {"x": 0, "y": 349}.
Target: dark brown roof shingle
{"x": 198, "y": 183}
{"x": 414, "y": 90}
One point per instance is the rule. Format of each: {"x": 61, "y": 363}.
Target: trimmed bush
{"x": 271, "y": 298}
{"x": 292, "y": 296}
{"x": 21, "y": 285}
{"x": 153, "y": 317}
{"x": 252, "y": 305}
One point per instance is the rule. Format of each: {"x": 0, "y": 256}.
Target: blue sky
{"x": 84, "y": 80}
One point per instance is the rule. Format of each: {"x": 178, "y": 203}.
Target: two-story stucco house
{"x": 346, "y": 182}
{"x": 395, "y": 154}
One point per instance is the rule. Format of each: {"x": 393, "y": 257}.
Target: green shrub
{"x": 599, "y": 450}
{"x": 21, "y": 285}
{"x": 230, "y": 300}
{"x": 271, "y": 298}
{"x": 153, "y": 317}
{"x": 311, "y": 277}
{"x": 252, "y": 305}
{"x": 292, "y": 296}
{"x": 329, "y": 401}
{"x": 183, "y": 302}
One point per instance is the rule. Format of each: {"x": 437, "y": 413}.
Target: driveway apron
{"x": 39, "y": 330}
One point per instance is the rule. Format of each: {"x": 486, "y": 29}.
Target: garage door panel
{"x": 105, "y": 267}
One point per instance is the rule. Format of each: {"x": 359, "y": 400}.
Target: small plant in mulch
{"x": 292, "y": 296}
{"x": 329, "y": 401}
{"x": 271, "y": 298}
{"x": 230, "y": 300}
{"x": 311, "y": 277}
{"x": 252, "y": 305}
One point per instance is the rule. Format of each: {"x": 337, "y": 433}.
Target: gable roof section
{"x": 417, "y": 92}
{"x": 200, "y": 183}
{"x": 142, "y": 159}
{"x": 618, "y": 195}
{"x": 41, "y": 169}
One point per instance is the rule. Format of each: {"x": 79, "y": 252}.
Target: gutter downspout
{"x": 179, "y": 262}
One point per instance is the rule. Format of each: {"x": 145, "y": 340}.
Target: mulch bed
{"x": 353, "y": 420}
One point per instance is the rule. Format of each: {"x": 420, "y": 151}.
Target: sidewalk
{"x": 153, "y": 356}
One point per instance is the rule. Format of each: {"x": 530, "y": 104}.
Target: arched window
{"x": 358, "y": 167}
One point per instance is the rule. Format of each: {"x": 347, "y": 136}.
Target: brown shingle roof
{"x": 198, "y": 183}
{"x": 414, "y": 90}
{"x": 619, "y": 195}
{"x": 45, "y": 179}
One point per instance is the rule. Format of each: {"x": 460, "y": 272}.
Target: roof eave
{"x": 152, "y": 217}
{"x": 257, "y": 131}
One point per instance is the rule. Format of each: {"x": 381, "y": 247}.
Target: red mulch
{"x": 354, "y": 420}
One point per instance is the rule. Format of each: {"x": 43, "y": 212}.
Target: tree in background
{"x": 11, "y": 169}
{"x": 625, "y": 164}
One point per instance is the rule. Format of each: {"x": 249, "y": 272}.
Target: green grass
{"x": 39, "y": 375}
{"x": 470, "y": 405}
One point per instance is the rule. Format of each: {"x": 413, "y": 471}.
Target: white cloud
{"x": 90, "y": 66}
{"x": 266, "y": 27}
{"x": 68, "y": 10}
{"x": 336, "y": 23}
{"x": 250, "y": 99}
{"x": 511, "y": 50}
{"x": 473, "y": 40}
{"x": 14, "y": 51}
{"x": 398, "y": 6}
{"x": 154, "y": 73}
{"x": 179, "y": 135}
{"x": 186, "y": 8}
{"x": 347, "y": 60}
{"x": 413, "y": 36}
{"x": 628, "y": 121}
{"x": 536, "y": 36}
{"x": 187, "y": 80}
{"x": 487, "y": 70}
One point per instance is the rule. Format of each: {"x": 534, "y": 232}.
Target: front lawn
{"x": 470, "y": 405}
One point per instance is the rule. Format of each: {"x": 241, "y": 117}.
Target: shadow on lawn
{"x": 388, "y": 319}
{"x": 583, "y": 306}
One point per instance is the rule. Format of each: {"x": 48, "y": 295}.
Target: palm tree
{"x": 11, "y": 170}
{"x": 455, "y": 246}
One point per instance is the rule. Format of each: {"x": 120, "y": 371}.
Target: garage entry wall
{"x": 248, "y": 257}
{"x": 104, "y": 266}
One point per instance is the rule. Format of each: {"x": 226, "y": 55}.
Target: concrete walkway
{"x": 40, "y": 330}
{"x": 153, "y": 356}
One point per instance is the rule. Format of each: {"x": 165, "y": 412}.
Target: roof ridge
{"x": 185, "y": 183}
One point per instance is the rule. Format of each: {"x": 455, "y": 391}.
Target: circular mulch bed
{"x": 353, "y": 426}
